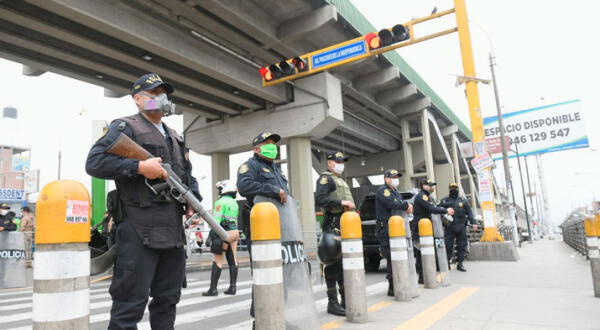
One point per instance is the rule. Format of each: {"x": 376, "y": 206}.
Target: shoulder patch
{"x": 243, "y": 168}
{"x": 266, "y": 170}
{"x": 425, "y": 198}
{"x": 122, "y": 126}
{"x": 460, "y": 204}
{"x": 386, "y": 193}
{"x": 323, "y": 180}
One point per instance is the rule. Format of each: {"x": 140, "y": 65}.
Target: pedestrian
{"x": 423, "y": 208}
{"x": 334, "y": 197}
{"x": 457, "y": 228}
{"x": 27, "y": 225}
{"x": 226, "y": 214}
{"x": 388, "y": 202}
{"x": 6, "y": 218}
{"x": 150, "y": 237}
{"x": 261, "y": 176}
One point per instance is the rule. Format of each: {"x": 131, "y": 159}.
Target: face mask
{"x": 454, "y": 192}
{"x": 162, "y": 103}
{"x": 268, "y": 150}
{"x": 338, "y": 168}
{"x": 395, "y": 182}
{"x": 3, "y": 212}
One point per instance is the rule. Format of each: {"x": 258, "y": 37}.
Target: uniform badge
{"x": 243, "y": 168}
{"x": 266, "y": 170}
{"x": 386, "y": 193}
{"x": 460, "y": 204}
{"x": 323, "y": 180}
{"x": 425, "y": 198}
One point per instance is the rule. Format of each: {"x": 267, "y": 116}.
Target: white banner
{"x": 543, "y": 129}
{"x": 482, "y": 161}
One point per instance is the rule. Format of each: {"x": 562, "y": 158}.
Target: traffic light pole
{"x": 488, "y": 209}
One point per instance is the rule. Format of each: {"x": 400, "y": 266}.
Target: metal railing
{"x": 574, "y": 235}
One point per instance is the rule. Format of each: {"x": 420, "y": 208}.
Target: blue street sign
{"x": 338, "y": 54}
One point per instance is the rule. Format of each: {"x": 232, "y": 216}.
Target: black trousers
{"x": 450, "y": 235}
{"x": 334, "y": 273}
{"x": 141, "y": 272}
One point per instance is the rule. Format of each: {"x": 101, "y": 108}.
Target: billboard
{"x": 11, "y": 195}
{"x": 543, "y": 129}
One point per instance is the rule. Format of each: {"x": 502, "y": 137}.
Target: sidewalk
{"x": 549, "y": 288}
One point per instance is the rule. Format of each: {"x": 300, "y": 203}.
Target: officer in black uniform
{"x": 334, "y": 196}
{"x": 388, "y": 202}
{"x": 457, "y": 228}
{"x": 6, "y": 222}
{"x": 423, "y": 208}
{"x": 259, "y": 175}
{"x": 150, "y": 238}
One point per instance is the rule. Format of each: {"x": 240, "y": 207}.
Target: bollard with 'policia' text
{"x": 591, "y": 225}
{"x": 61, "y": 266}
{"x": 427, "y": 254}
{"x": 413, "y": 283}
{"x": 440, "y": 249}
{"x": 267, "y": 271}
{"x": 354, "y": 268}
{"x": 399, "y": 256}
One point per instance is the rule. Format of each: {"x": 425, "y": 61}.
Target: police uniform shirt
{"x": 7, "y": 224}
{"x": 423, "y": 208}
{"x": 386, "y": 201}
{"x": 260, "y": 177}
{"x": 462, "y": 211}
{"x": 326, "y": 185}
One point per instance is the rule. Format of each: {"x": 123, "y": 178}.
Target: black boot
{"x": 342, "y": 297}
{"x": 214, "y": 280}
{"x": 460, "y": 267}
{"x": 333, "y": 307}
{"x": 233, "y": 273}
{"x": 390, "y": 287}
{"x": 421, "y": 279}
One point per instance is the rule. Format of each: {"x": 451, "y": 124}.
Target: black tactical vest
{"x": 156, "y": 218}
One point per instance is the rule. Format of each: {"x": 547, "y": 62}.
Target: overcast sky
{"x": 547, "y": 51}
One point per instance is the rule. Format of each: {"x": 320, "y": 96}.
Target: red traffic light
{"x": 265, "y": 74}
{"x": 372, "y": 40}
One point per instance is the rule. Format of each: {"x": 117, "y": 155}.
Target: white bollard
{"x": 399, "y": 256}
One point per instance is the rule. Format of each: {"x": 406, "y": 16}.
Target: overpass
{"x": 380, "y": 111}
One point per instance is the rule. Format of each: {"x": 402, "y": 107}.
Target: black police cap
{"x": 392, "y": 173}
{"x": 150, "y": 81}
{"x": 427, "y": 182}
{"x": 262, "y": 137}
{"x": 337, "y": 156}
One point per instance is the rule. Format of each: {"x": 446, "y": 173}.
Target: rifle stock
{"x": 125, "y": 147}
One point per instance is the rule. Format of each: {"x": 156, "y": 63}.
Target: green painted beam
{"x": 359, "y": 22}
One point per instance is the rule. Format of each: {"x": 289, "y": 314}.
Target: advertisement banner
{"x": 543, "y": 129}
{"x": 11, "y": 195}
{"x": 20, "y": 163}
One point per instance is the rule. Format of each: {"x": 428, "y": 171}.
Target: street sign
{"x": 338, "y": 54}
{"x": 11, "y": 195}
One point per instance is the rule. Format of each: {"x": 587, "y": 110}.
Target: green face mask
{"x": 269, "y": 150}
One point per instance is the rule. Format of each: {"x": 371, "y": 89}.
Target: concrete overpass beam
{"x": 300, "y": 26}
{"x": 369, "y": 133}
{"x": 316, "y": 111}
{"x": 412, "y": 107}
{"x": 114, "y": 94}
{"x": 397, "y": 95}
{"x": 375, "y": 79}
{"x": 31, "y": 71}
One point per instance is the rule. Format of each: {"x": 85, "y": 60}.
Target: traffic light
{"x": 395, "y": 34}
{"x": 372, "y": 40}
{"x": 283, "y": 69}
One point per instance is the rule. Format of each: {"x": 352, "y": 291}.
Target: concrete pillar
{"x": 220, "y": 170}
{"x": 301, "y": 187}
{"x": 407, "y": 153}
{"x": 427, "y": 149}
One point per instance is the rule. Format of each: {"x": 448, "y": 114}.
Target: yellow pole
{"x": 490, "y": 233}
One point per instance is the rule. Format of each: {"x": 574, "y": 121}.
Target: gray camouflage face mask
{"x": 160, "y": 102}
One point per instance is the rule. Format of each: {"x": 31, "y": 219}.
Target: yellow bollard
{"x": 591, "y": 225}
{"x": 427, "y": 253}
{"x": 267, "y": 271}
{"x": 61, "y": 267}
{"x": 354, "y": 268}
{"x": 399, "y": 257}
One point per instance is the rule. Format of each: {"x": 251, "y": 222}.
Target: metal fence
{"x": 574, "y": 234}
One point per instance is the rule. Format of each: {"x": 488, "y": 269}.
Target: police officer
{"x": 6, "y": 222}
{"x": 226, "y": 214}
{"x": 388, "y": 202}
{"x": 150, "y": 238}
{"x": 457, "y": 228}
{"x": 259, "y": 175}
{"x": 423, "y": 208}
{"x": 334, "y": 197}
